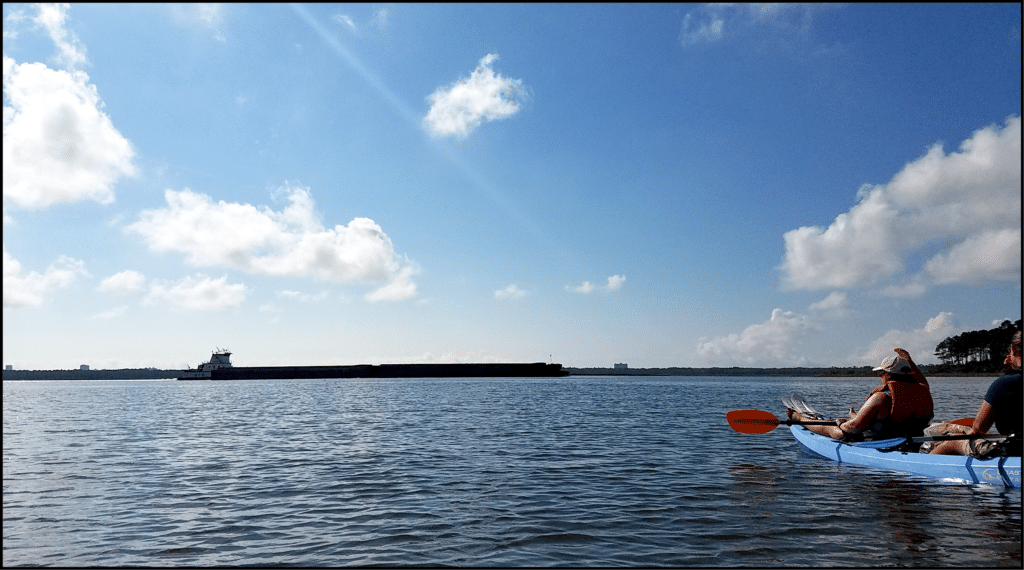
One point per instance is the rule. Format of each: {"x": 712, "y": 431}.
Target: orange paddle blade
{"x": 964, "y": 422}
{"x": 752, "y": 421}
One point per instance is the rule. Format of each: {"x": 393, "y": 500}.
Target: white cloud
{"x": 459, "y": 109}
{"x": 52, "y": 18}
{"x": 400, "y": 288}
{"x": 127, "y": 281}
{"x": 711, "y": 23}
{"x": 378, "y": 22}
{"x": 920, "y": 343}
{"x": 585, "y": 288}
{"x": 207, "y": 16}
{"x": 200, "y": 293}
{"x": 512, "y": 292}
{"x": 346, "y": 20}
{"x": 291, "y": 242}
{"x": 988, "y": 256}
{"x": 776, "y": 342}
{"x": 615, "y": 283}
{"x": 303, "y": 297}
{"x": 30, "y": 290}
{"x": 380, "y": 19}
{"x": 59, "y": 146}
{"x": 836, "y": 305}
{"x": 698, "y": 29}
{"x": 970, "y": 198}
{"x": 910, "y": 290}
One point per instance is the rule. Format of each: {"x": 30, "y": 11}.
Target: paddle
{"x": 759, "y": 421}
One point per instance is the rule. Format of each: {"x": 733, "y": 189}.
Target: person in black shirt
{"x": 1003, "y": 408}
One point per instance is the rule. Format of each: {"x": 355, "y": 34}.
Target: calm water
{"x": 473, "y": 472}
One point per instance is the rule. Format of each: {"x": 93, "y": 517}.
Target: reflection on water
{"x": 478, "y": 472}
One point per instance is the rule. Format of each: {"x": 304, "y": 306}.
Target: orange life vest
{"x": 910, "y": 401}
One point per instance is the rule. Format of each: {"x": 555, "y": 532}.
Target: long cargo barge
{"x": 220, "y": 368}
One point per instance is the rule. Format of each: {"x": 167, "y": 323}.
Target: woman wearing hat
{"x": 901, "y": 406}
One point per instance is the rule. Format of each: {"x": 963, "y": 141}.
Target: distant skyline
{"x": 653, "y": 184}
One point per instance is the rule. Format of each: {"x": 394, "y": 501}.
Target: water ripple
{"x": 464, "y": 472}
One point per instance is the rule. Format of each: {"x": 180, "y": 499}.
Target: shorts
{"x": 987, "y": 448}
{"x": 978, "y": 448}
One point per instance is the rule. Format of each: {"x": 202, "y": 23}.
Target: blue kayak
{"x": 996, "y": 471}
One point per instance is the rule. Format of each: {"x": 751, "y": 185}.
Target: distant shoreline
{"x": 833, "y": 372}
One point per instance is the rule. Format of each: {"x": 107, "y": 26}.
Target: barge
{"x": 219, "y": 367}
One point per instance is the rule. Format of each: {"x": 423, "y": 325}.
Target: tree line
{"x": 977, "y": 351}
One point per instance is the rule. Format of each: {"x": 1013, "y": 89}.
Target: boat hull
{"x": 1003, "y": 471}
{"x": 487, "y": 370}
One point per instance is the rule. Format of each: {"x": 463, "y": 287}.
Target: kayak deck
{"x": 996, "y": 471}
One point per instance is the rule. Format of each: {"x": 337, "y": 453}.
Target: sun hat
{"x": 894, "y": 365}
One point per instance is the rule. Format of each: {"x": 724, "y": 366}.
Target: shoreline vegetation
{"x": 837, "y": 372}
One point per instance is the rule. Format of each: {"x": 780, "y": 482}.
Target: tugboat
{"x": 220, "y": 360}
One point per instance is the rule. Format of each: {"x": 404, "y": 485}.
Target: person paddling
{"x": 901, "y": 406}
{"x": 1001, "y": 407}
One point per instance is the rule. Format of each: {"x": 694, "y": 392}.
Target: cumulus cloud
{"x": 31, "y": 289}
{"x": 919, "y": 342}
{"x": 290, "y": 242}
{"x": 512, "y": 293}
{"x": 615, "y": 283}
{"x": 988, "y": 256}
{"x": 200, "y": 293}
{"x": 127, "y": 281}
{"x": 457, "y": 110}
{"x": 969, "y": 199}
{"x": 776, "y": 342}
{"x": 59, "y": 145}
{"x": 836, "y": 304}
{"x": 400, "y": 287}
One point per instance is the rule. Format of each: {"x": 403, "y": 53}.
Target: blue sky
{"x": 661, "y": 185}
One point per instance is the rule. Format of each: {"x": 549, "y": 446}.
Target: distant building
{"x": 83, "y": 367}
{"x": 622, "y": 366}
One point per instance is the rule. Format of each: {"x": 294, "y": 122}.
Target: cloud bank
{"x": 291, "y": 242}
{"x": 970, "y": 199}
{"x": 783, "y": 340}
{"x": 457, "y": 110}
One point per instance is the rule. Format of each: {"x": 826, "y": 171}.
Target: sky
{"x": 657, "y": 185}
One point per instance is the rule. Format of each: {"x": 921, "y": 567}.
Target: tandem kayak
{"x": 1003, "y": 471}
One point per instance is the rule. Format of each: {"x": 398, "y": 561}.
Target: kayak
{"x": 1003, "y": 471}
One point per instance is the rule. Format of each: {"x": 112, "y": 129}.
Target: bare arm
{"x": 984, "y": 419}
{"x": 918, "y": 375}
{"x": 867, "y": 414}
